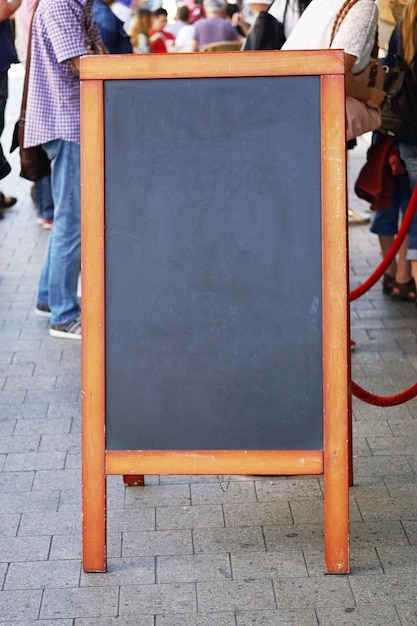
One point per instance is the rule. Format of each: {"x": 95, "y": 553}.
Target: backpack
{"x": 267, "y": 33}
{"x": 399, "y": 109}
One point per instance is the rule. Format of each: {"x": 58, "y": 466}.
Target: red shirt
{"x": 159, "y": 44}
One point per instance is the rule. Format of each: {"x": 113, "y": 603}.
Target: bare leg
{"x": 386, "y": 241}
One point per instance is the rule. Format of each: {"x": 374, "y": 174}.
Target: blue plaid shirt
{"x": 62, "y": 30}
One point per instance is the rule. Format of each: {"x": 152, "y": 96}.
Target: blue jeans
{"x": 58, "y": 282}
{"x": 43, "y": 199}
{"x": 408, "y": 153}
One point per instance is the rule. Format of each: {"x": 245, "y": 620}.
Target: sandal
{"x": 6, "y": 202}
{"x": 388, "y": 283}
{"x": 404, "y": 291}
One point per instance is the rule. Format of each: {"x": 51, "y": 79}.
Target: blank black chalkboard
{"x": 213, "y": 300}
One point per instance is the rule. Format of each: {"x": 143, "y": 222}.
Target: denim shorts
{"x": 385, "y": 221}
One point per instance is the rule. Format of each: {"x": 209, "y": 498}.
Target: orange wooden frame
{"x": 332, "y": 461}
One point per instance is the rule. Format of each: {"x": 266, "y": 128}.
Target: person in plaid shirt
{"x": 62, "y": 31}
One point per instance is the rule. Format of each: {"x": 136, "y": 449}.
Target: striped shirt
{"x": 62, "y": 30}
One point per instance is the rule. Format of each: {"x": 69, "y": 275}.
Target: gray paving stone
{"x": 412, "y": 460}
{"x": 213, "y": 494}
{"x": 58, "y": 409}
{"x": 236, "y": 596}
{"x": 157, "y": 599}
{"x": 282, "y": 488}
{"x": 292, "y": 537}
{"x": 43, "y": 574}
{"x": 116, "y": 493}
{"x": 236, "y": 540}
{"x": 19, "y": 444}
{"x": 7, "y": 427}
{"x": 44, "y": 384}
{"x": 392, "y": 445}
{"x": 49, "y": 523}
{"x": 16, "y": 481}
{"x": 193, "y": 568}
{"x": 73, "y": 460}
{"x": 397, "y": 560}
{"x": 80, "y": 602}
{"x": 44, "y": 622}
{"x": 177, "y": 479}
{"x": 3, "y": 570}
{"x": 381, "y": 466}
{"x": 304, "y": 617}
{"x": 66, "y": 547}
{"x": 20, "y": 605}
{"x": 407, "y": 613}
{"x": 35, "y": 394}
{"x": 122, "y": 571}
{"x": 404, "y": 427}
{"x": 161, "y": 495}
{"x": 376, "y": 534}
{"x": 385, "y": 590}
{"x": 360, "y": 616}
{"x": 134, "y": 520}
{"x": 35, "y": 461}
{"x": 257, "y": 514}
{"x": 57, "y": 479}
{"x": 9, "y": 523}
{"x": 388, "y": 508}
{"x": 24, "y": 411}
{"x": 368, "y": 487}
{"x": 29, "y": 501}
{"x": 400, "y": 486}
{"x": 17, "y": 369}
{"x": 12, "y": 397}
{"x": 158, "y": 543}
{"x": 196, "y": 516}
{"x": 70, "y": 500}
{"x": 200, "y": 619}
{"x": 410, "y": 529}
{"x": 260, "y": 565}
{"x": 24, "y": 548}
{"x": 297, "y": 593}
{"x": 137, "y": 620}
{"x": 25, "y": 427}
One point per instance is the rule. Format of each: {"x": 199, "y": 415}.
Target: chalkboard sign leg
{"x": 94, "y": 522}
{"x": 133, "y": 480}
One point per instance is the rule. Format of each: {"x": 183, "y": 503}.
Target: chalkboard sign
{"x": 218, "y": 344}
{"x": 214, "y": 328}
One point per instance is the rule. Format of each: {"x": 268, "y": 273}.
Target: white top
{"x": 277, "y": 9}
{"x": 356, "y": 35}
{"x": 185, "y": 39}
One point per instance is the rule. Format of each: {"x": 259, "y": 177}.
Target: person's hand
{"x": 377, "y": 98}
{"x": 156, "y": 36}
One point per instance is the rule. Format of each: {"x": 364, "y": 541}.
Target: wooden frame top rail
{"x": 218, "y": 64}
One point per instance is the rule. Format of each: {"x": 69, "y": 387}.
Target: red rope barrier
{"x": 411, "y": 392}
{"x": 403, "y": 230}
{"x": 370, "y": 398}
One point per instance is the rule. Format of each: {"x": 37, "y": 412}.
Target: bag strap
{"x": 27, "y": 68}
{"x": 344, "y": 10}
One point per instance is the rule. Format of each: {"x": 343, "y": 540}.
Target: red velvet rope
{"x": 411, "y": 392}
{"x": 370, "y": 398}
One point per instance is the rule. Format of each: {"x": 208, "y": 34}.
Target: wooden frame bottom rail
{"x": 268, "y": 462}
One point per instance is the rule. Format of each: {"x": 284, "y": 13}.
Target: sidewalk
{"x": 189, "y": 551}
